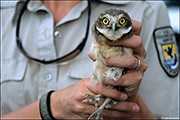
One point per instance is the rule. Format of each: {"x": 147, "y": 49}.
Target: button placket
{"x": 46, "y": 46}
{"x": 48, "y": 78}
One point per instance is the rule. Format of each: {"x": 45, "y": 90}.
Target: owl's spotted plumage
{"x": 112, "y": 26}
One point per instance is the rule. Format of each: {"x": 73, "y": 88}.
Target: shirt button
{"x": 57, "y": 34}
{"x": 48, "y": 76}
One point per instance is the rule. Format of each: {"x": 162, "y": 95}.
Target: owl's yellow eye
{"x": 105, "y": 21}
{"x": 122, "y": 20}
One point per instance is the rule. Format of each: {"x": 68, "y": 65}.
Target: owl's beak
{"x": 114, "y": 27}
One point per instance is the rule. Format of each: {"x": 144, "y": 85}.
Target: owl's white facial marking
{"x": 114, "y": 35}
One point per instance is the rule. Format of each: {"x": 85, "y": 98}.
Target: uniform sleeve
{"x": 158, "y": 90}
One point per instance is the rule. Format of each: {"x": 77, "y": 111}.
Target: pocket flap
{"x": 13, "y": 70}
{"x": 81, "y": 69}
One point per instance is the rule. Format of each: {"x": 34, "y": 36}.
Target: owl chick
{"x": 112, "y": 26}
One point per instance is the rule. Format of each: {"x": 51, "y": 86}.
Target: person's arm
{"x": 67, "y": 103}
{"x": 29, "y": 111}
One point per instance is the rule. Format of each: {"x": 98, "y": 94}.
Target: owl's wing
{"x": 94, "y": 49}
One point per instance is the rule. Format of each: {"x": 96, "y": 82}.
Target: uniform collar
{"x": 118, "y": 2}
{"x": 75, "y": 13}
{"x": 79, "y": 8}
{"x": 35, "y": 6}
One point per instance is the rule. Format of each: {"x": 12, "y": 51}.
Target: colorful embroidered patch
{"x": 167, "y": 50}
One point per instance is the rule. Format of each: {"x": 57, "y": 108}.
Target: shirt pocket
{"x": 13, "y": 70}
{"x": 12, "y": 85}
{"x": 80, "y": 69}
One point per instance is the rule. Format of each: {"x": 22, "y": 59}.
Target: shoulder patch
{"x": 165, "y": 42}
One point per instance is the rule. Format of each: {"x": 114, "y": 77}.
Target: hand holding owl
{"x": 67, "y": 103}
{"x": 133, "y": 77}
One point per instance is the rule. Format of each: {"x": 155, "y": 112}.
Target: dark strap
{"x": 45, "y": 108}
{"x": 66, "y": 57}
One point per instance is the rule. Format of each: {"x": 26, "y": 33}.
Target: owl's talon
{"x": 92, "y": 99}
{"x": 85, "y": 101}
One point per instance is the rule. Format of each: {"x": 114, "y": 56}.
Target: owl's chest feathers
{"x": 106, "y": 50}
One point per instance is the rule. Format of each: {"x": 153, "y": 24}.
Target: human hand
{"x": 67, "y": 103}
{"x": 132, "y": 79}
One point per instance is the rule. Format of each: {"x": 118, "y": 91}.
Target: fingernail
{"x": 123, "y": 96}
{"x": 135, "y": 108}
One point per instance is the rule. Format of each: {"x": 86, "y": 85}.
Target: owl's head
{"x": 113, "y": 24}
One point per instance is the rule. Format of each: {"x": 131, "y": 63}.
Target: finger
{"x": 107, "y": 113}
{"x": 131, "y": 76}
{"x": 106, "y": 91}
{"x": 127, "y": 62}
{"x": 126, "y": 80}
{"x": 121, "y": 62}
{"x": 91, "y": 56}
{"x": 84, "y": 109}
{"x": 126, "y": 107}
{"x": 135, "y": 42}
{"x": 141, "y": 66}
{"x": 136, "y": 27}
{"x": 140, "y": 52}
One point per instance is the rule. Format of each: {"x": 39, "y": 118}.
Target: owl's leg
{"x": 93, "y": 99}
{"x": 111, "y": 104}
{"x": 90, "y": 98}
{"x": 98, "y": 112}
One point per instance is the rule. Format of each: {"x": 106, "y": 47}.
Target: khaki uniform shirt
{"x": 23, "y": 81}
